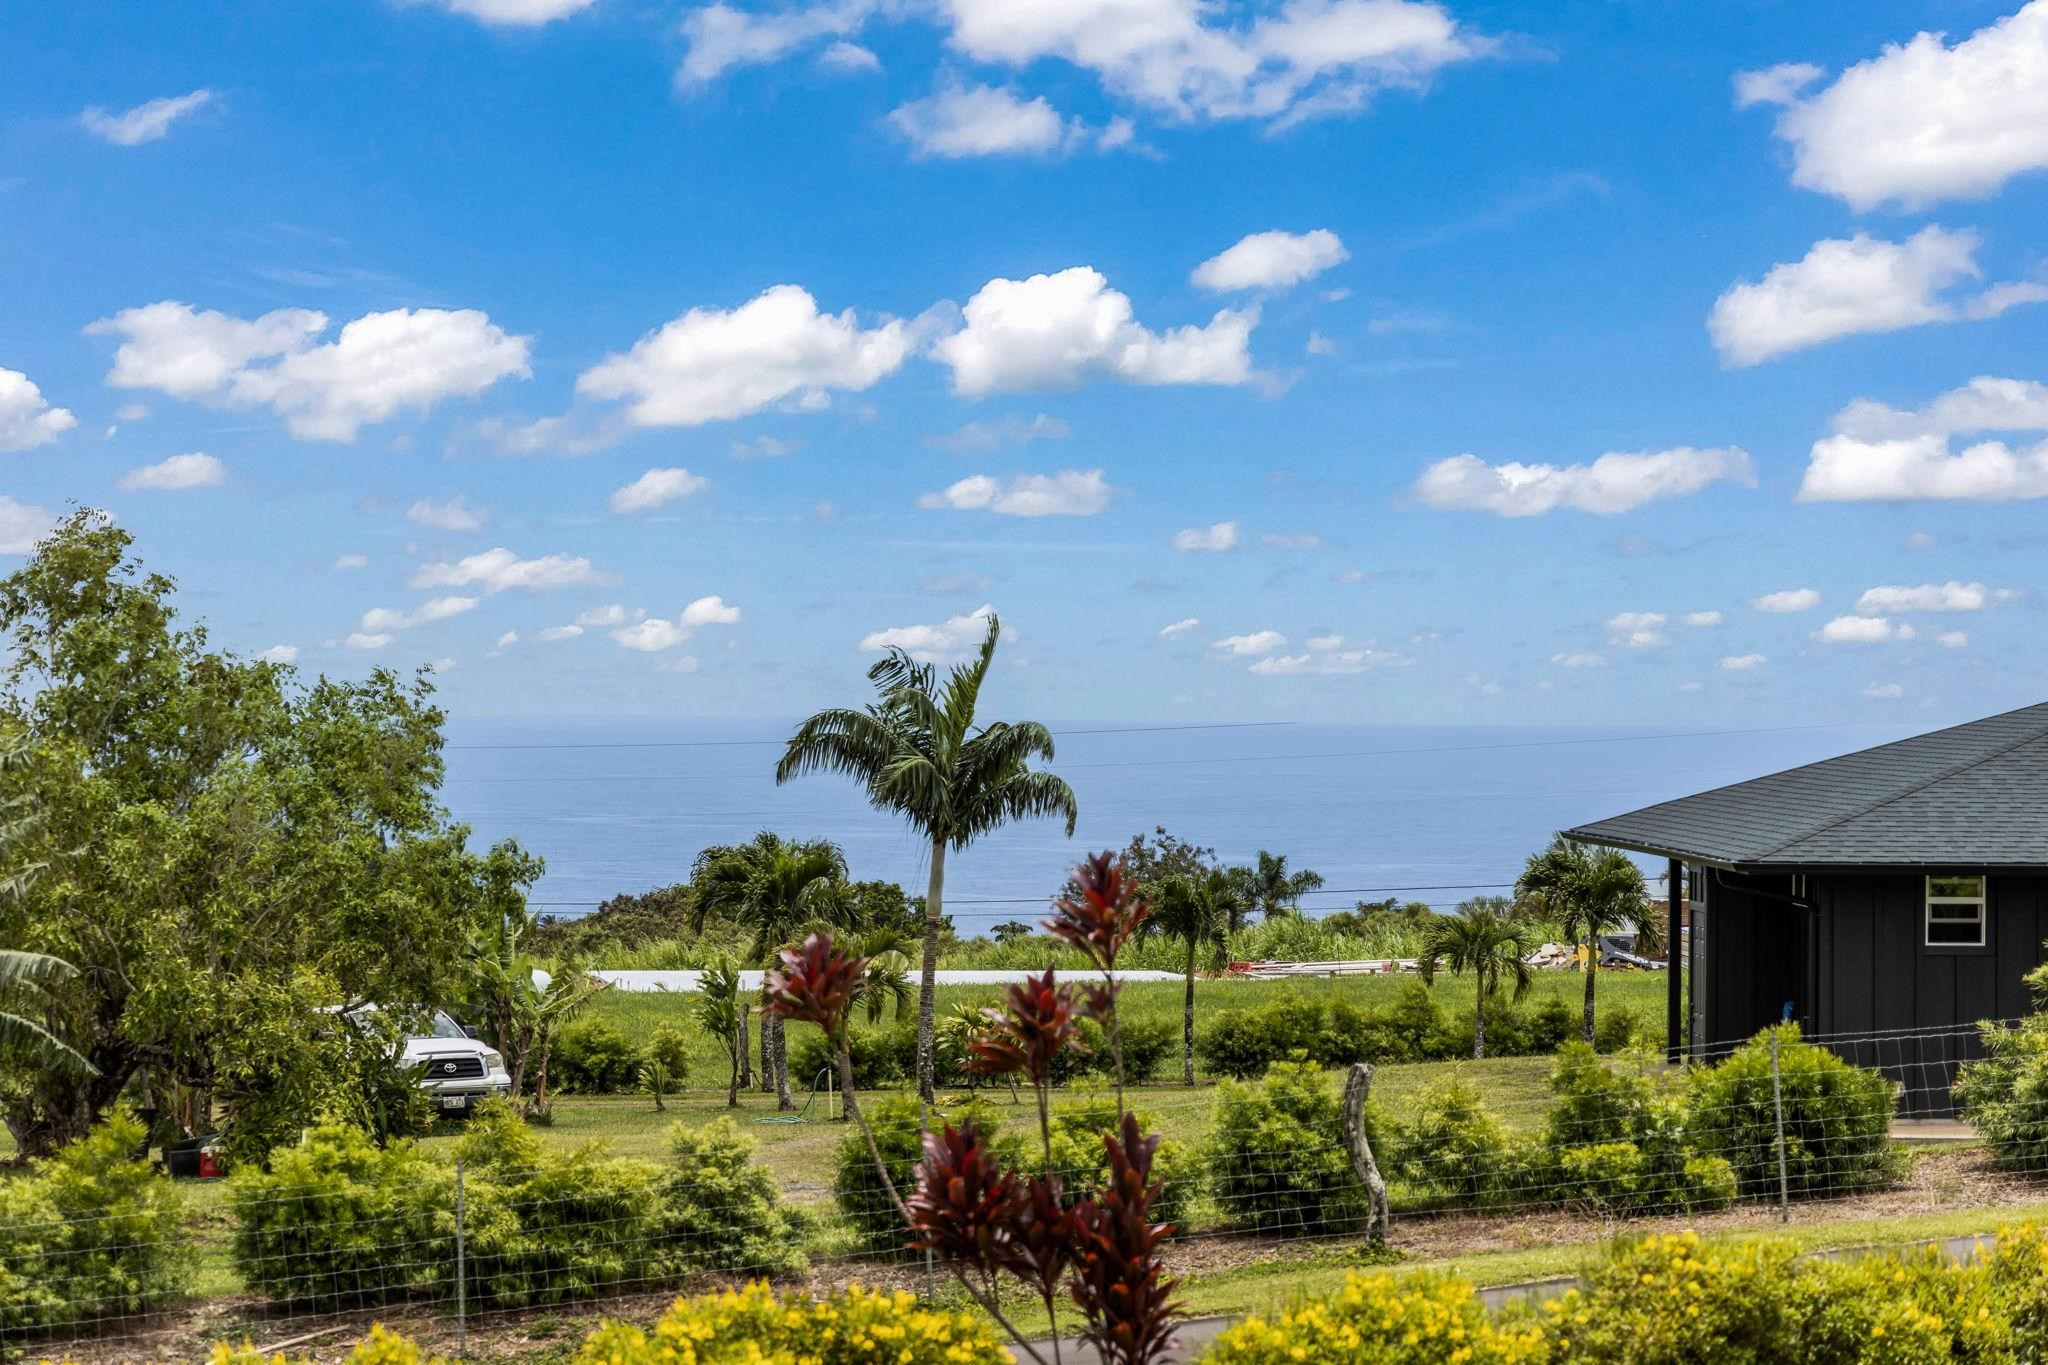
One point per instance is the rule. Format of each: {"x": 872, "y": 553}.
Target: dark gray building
{"x": 1887, "y": 899}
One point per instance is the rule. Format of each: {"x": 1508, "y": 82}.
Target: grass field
{"x": 637, "y": 1013}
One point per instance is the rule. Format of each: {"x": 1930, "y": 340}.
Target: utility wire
{"x": 737, "y": 743}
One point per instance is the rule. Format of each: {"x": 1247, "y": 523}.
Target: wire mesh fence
{"x": 459, "y": 1243}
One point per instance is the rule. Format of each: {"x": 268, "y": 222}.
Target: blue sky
{"x": 1252, "y": 361}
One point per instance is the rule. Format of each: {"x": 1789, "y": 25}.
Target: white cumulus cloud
{"x": 656, "y": 488}
{"x": 1879, "y": 453}
{"x": 1787, "y": 600}
{"x": 1953, "y": 639}
{"x": 145, "y": 122}
{"x": 1254, "y": 643}
{"x": 1858, "y": 285}
{"x": 500, "y": 570}
{"x": 26, "y": 418}
{"x": 378, "y": 366}
{"x": 511, "y": 13}
{"x": 1069, "y": 493}
{"x": 1896, "y": 599}
{"x": 1884, "y": 691}
{"x": 1614, "y": 483}
{"x": 192, "y": 470}
{"x": 1639, "y": 629}
{"x": 382, "y": 622}
{"x": 949, "y": 641}
{"x": 1180, "y": 627}
{"x": 1580, "y": 660}
{"x": 654, "y": 634}
{"x": 1703, "y": 618}
{"x": 1742, "y": 663}
{"x": 1271, "y": 260}
{"x": 279, "y": 654}
{"x": 1217, "y": 536}
{"x": 456, "y": 514}
{"x": 713, "y": 365}
{"x": 959, "y": 121}
{"x": 1062, "y": 330}
{"x": 1862, "y": 630}
{"x": 1922, "y": 121}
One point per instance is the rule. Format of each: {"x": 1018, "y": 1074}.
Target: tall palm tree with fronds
{"x": 1484, "y": 938}
{"x": 1198, "y": 913}
{"x": 1273, "y": 890}
{"x": 24, "y": 974}
{"x": 1589, "y": 892}
{"x": 775, "y": 888}
{"x": 919, "y": 753}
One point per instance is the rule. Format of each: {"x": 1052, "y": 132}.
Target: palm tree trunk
{"x": 1187, "y": 1023}
{"x": 783, "y": 1099}
{"x": 1592, "y": 971}
{"x": 745, "y": 1063}
{"x": 1478, "y": 1020}
{"x": 928, "y": 976}
{"x": 767, "y": 1076}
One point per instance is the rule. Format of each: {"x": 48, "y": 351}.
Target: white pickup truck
{"x": 460, "y": 1072}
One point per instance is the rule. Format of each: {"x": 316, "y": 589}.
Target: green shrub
{"x": 1149, "y": 1044}
{"x": 1276, "y": 1157}
{"x": 1242, "y": 1043}
{"x": 1596, "y": 1103}
{"x": 881, "y": 1057}
{"x": 752, "y": 1326}
{"x": 719, "y": 1209}
{"x": 1452, "y": 1148}
{"x": 1424, "y": 1319}
{"x": 1837, "y": 1118}
{"x": 856, "y": 1186}
{"x": 88, "y": 1234}
{"x": 1081, "y": 1160}
{"x": 591, "y": 1057}
{"x": 324, "y": 1225}
{"x": 2005, "y": 1093}
{"x": 669, "y": 1049}
{"x": 1617, "y": 1028}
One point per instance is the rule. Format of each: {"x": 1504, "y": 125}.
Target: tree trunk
{"x": 928, "y": 977}
{"x": 1592, "y": 973}
{"x": 1187, "y": 1023}
{"x": 767, "y": 1076}
{"x": 1357, "y": 1090}
{"x": 745, "y": 1063}
{"x": 1478, "y": 1020}
{"x": 783, "y": 1099}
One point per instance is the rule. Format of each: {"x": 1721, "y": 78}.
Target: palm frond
{"x": 18, "y": 968}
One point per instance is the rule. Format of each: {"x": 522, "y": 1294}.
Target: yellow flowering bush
{"x": 1382, "y": 1320}
{"x": 1668, "y": 1298}
{"x": 754, "y": 1326}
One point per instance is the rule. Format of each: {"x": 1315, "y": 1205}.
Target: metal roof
{"x": 1971, "y": 796}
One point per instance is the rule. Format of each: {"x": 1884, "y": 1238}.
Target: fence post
{"x": 1778, "y": 1110}
{"x": 461, "y": 1272}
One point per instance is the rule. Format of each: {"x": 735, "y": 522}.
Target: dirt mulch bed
{"x": 1940, "y": 1181}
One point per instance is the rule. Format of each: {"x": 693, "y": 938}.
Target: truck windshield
{"x": 444, "y": 1027}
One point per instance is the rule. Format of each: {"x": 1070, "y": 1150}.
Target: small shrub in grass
{"x": 1081, "y": 1160}
{"x": 1596, "y": 1103}
{"x": 1424, "y": 1319}
{"x": 857, "y": 1188}
{"x": 591, "y": 1057}
{"x": 1148, "y": 1044}
{"x": 337, "y": 1222}
{"x": 1243, "y": 1043}
{"x": 2005, "y": 1093}
{"x": 719, "y": 1209}
{"x": 1276, "y": 1156}
{"x": 1837, "y": 1118}
{"x": 1619, "y": 1027}
{"x": 669, "y": 1050}
{"x": 88, "y": 1234}
{"x": 881, "y": 1056}
{"x": 752, "y": 1326}
{"x": 1452, "y": 1148}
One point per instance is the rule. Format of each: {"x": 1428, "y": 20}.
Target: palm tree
{"x": 1485, "y": 939}
{"x": 918, "y": 752}
{"x": 776, "y": 888}
{"x": 1589, "y": 892}
{"x": 1273, "y": 890}
{"x": 1197, "y": 912}
{"x": 21, "y": 972}
{"x": 719, "y": 1010}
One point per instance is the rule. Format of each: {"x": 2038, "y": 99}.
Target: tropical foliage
{"x": 1588, "y": 892}
{"x": 1487, "y": 939}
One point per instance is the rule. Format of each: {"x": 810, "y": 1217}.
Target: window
{"x": 1955, "y": 912}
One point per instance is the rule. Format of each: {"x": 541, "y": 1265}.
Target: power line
{"x": 1047, "y": 900}
{"x": 738, "y": 743}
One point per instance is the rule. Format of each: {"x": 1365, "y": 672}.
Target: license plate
{"x": 455, "y": 1101}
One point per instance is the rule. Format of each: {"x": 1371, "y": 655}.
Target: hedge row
{"x": 1674, "y": 1298}
{"x": 88, "y": 1235}
{"x": 336, "y": 1221}
{"x": 1413, "y": 1027}
{"x": 1622, "y": 1139}
{"x": 888, "y": 1056}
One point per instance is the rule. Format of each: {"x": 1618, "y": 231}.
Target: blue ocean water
{"x": 1433, "y": 813}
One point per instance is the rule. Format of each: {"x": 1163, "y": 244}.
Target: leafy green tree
{"x": 918, "y": 752}
{"x": 774, "y": 888}
{"x": 1197, "y": 913}
{"x": 204, "y": 819}
{"x": 1273, "y": 890}
{"x": 523, "y": 1001}
{"x": 1589, "y": 892}
{"x": 1485, "y": 939}
{"x": 23, "y": 975}
{"x": 1012, "y": 931}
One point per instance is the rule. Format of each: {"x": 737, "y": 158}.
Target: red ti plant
{"x": 1105, "y": 914}
{"x": 1118, "y": 1280}
{"x": 1026, "y": 1037}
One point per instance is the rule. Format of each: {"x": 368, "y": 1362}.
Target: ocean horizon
{"x": 1434, "y": 813}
